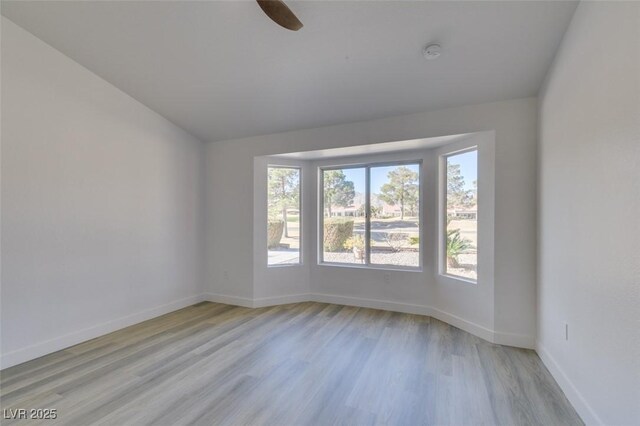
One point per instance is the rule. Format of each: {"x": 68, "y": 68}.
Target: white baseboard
{"x": 466, "y": 325}
{"x": 280, "y": 300}
{"x": 582, "y": 407}
{"x": 229, "y": 300}
{"x": 49, "y": 346}
{"x": 509, "y": 339}
{"x": 260, "y": 302}
{"x": 53, "y": 345}
{"x": 371, "y": 303}
{"x": 513, "y": 339}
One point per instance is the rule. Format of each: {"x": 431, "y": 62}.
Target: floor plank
{"x": 300, "y": 364}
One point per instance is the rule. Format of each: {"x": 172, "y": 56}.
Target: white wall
{"x": 230, "y": 214}
{"x": 589, "y": 192}
{"x": 102, "y": 211}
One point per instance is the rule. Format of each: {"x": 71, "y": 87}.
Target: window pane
{"x": 343, "y": 215}
{"x": 462, "y": 215}
{"x": 395, "y": 212}
{"x": 283, "y": 206}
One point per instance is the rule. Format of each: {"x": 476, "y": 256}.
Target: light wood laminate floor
{"x": 300, "y": 364}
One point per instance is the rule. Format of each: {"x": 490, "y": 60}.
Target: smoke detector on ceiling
{"x": 432, "y": 51}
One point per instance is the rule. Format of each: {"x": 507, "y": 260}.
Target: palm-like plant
{"x": 456, "y": 245}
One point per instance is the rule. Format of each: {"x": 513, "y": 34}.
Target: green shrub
{"x": 356, "y": 241}
{"x": 274, "y": 233}
{"x": 456, "y": 245}
{"x": 357, "y": 245}
{"x": 336, "y": 233}
{"x": 395, "y": 240}
{"x": 414, "y": 241}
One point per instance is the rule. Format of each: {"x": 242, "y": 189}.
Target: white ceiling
{"x": 223, "y": 70}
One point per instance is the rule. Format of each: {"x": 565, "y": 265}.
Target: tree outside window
{"x": 283, "y": 207}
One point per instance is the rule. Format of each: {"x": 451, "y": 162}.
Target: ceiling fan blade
{"x": 280, "y": 14}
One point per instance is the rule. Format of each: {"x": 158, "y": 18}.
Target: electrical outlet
{"x": 387, "y": 278}
{"x": 225, "y": 275}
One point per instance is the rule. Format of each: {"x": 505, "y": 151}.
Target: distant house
{"x": 356, "y": 209}
{"x": 464, "y": 213}
{"x": 349, "y": 211}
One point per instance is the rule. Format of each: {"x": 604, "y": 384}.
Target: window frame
{"x": 442, "y": 213}
{"x": 300, "y": 215}
{"x": 367, "y": 167}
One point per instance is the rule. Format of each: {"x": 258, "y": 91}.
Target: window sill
{"x": 284, "y": 265}
{"x": 459, "y": 278}
{"x": 372, "y": 267}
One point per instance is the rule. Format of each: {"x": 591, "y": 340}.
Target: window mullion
{"x": 367, "y": 216}
{"x": 320, "y": 230}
